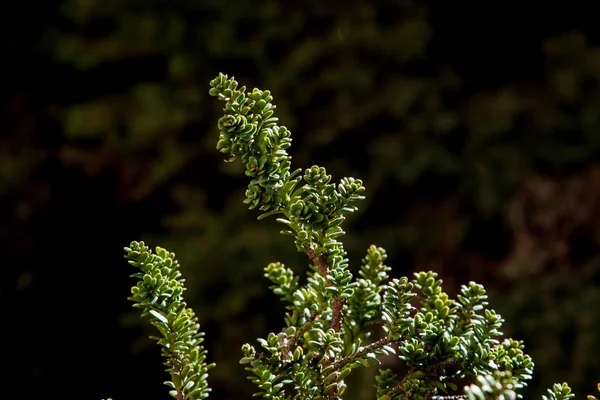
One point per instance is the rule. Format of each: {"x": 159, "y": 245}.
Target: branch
{"x": 318, "y": 261}
{"x": 365, "y": 350}
{"x": 338, "y": 304}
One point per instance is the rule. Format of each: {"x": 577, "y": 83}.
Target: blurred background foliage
{"x": 476, "y": 130}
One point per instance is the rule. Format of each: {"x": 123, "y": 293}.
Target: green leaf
{"x": 159, "y": 317}
{"x": 268, "y": 214}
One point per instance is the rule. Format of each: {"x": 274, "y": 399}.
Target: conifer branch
{"x": 159, "y": 293}
{"x": 330, "y": 318}
{"x": 327, "y": 318}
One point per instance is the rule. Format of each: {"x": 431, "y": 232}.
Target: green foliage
{"x": 333, "y": 323}
{"x": 159, "y": 294}
{"x": 353, "y": 72}
{"x": 328, "y": 319}
{"x": 498, "y": 385}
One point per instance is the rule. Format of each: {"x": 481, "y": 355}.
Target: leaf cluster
{"x": 334, "y": 322}
{"x": 159, "y": 294}
{"x": 331, "y": 320}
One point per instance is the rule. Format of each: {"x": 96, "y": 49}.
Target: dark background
{"x": 475, "y": 128}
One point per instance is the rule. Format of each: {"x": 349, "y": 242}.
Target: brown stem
{"x": 301, "y": 330}
{"x": 318, "y": 261}
{"x": 336, "y": 317}
{"x": 338, "y": 304}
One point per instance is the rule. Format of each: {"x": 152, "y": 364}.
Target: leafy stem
{"x": 331, "y": 316}
{"x": 370, "y": 348}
